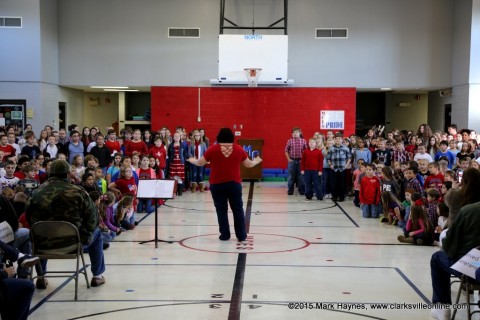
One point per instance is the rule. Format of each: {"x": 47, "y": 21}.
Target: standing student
{"x": 225, "y": 181}
{"x": 196, "y": 150}
{"x": 30, "y": 149}
{"x": 114, "y": 168}
{"x": 311, "y": 168}
{"x": 369, "y": 194}
{"x": 338, "y": 158}
{"x": 159, "y": 152}
{"x": 6, "y": 148}
{"x": 145, "y": 173}
{"x": 444, "y": 152}
{"x": 75, "y": 146}
{"x": 112, "y": 144}
{"x": 293, "y": 151}
{"x": 382, "y": 154}
{"x": 422, "y": 155}
{"x": 358, "y": 175}
{"x": 136, "y": 145}
{"x": 400, "y": 154}
{"x": 102, "y": 153}
{"x": 360, "y": 152}
{"x": 177, "y": 153}
{"x": 327, "y": 172}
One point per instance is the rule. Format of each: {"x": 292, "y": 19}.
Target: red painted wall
{"x": 265, "y": 113}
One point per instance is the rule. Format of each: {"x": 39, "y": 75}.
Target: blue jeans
{"x": 312, "y": 183}
{"x": 18, "y": 293}
{"x": 108, "y": 236}
{"x": 145, "y": 205}
{"x": 370, "y": 210}
{"x": 196, "y": 173}
{"x": 222, "y": 195}
{"x": 294, "y": 177}
{"x": 427, "y": 240}
{"x": 95, "y": 251}
{"x": 326, "y": 177}
{"x": 127, "y": 221}
{"x": 22, "y": 243}
{"x": 440, "y": 270}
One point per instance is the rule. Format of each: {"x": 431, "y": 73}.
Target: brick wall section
{"x": 265, "y": 113}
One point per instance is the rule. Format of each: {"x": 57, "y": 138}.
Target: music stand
{"x": 156, "y": 190}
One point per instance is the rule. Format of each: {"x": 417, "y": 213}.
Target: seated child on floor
{"x": 432, "y": 205}
{"x": 392, "y": 209}
{"x": 418, "y": 229}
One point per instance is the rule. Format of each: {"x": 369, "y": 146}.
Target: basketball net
{"x": 252, "y": 76}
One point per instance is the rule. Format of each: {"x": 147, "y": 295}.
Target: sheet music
{"x": 155, "y": 189}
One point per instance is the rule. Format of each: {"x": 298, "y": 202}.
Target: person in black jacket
{"x": 101, "y": 152}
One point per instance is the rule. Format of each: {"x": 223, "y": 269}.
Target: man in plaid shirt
{"x": 293, "y": 152}
{"x": 338, "y": 157}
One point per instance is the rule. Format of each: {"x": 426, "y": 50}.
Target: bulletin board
{"x": 13, "y": 113}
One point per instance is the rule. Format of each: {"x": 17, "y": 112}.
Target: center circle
{"x": 255, "y": 243}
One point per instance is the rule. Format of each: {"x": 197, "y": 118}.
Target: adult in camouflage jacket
{"x": 59, "y": 200}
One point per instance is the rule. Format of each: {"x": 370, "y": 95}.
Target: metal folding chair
{"x": 58, "y": 240}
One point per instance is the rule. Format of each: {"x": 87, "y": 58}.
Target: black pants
{"x": 337, "y": 184}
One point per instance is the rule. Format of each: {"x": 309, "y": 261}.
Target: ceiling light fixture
{"x": 107, "y": 87}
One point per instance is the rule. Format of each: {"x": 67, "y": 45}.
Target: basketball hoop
{"x": 252, "y": 76}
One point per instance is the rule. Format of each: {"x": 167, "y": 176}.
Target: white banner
{"x": 6, "y": 232}
{"x": 469, "y": 263}
{"x": 332, "y": 120}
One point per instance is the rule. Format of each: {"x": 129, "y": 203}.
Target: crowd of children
{"x": 388, "y": 175}
{"x": 400, "y": 177}
{"x": 107, "y": 167}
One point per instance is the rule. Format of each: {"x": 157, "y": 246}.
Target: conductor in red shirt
{"x": 225, "y": 181}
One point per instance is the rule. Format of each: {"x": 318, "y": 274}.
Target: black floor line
{"x": 348, "y": 216}
{"x": 237, "y": 291}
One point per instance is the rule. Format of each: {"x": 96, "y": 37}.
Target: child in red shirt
{"x": 370, "y": 193}
{"x": 435, "y": 179}
{"x": 159, "y": 151}
{"x": 311, "y": 167}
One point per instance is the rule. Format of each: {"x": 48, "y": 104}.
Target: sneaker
{"x": 320, "y": 199}
{"x": 341, "y": 199}
{"x": 27, "y": 261}
{"x": 97, "y": 281}
{"x": 41, "y": 283}
{"x": 334, "y": 199}
{"x": 440, "y": 314}
{"x": 307, "y": 199}
{"x": 420, "y": 242}
{"x": 328, "y": 196}
{"x": 402, "y": 238}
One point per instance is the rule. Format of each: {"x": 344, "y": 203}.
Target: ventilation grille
{"x": 184, "y": 32}
{"x": 331, "y": 33}
{"x": 10, "y": 22}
